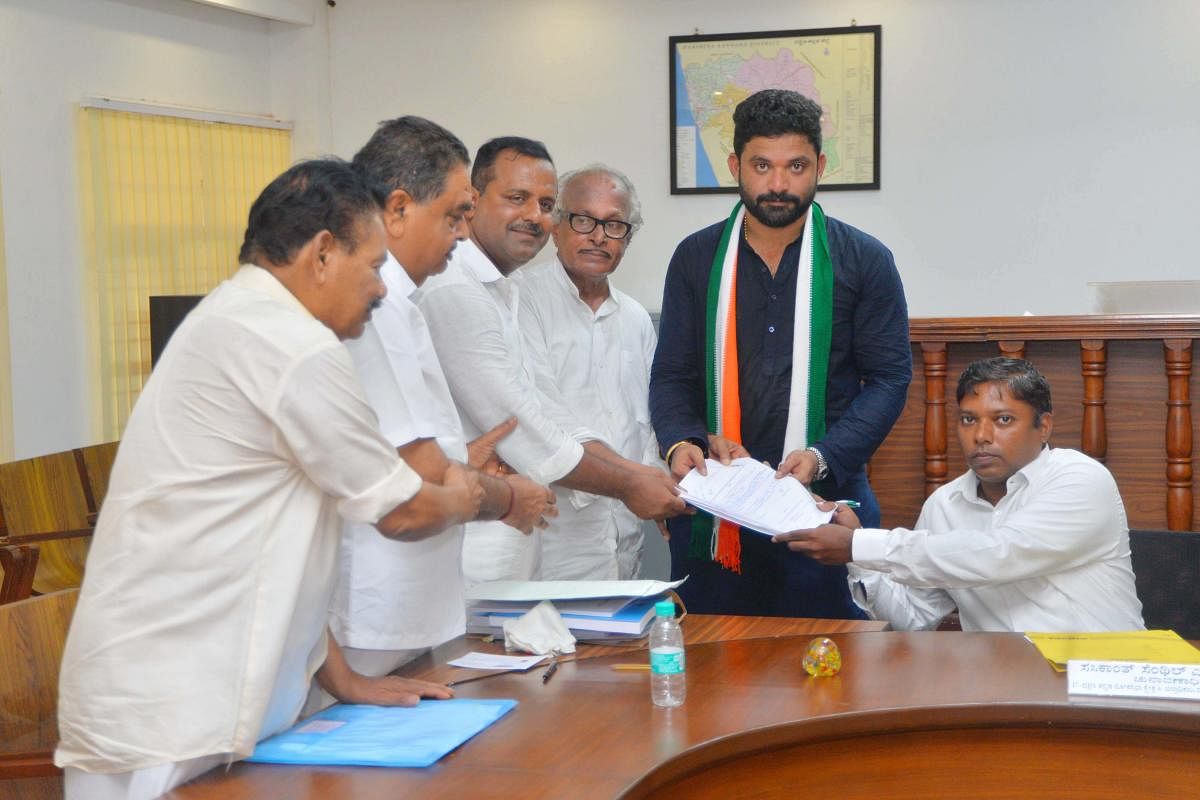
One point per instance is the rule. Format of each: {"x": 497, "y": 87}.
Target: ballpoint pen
{"x": 549, "y": 673}
{"x": 848, "y": 503}
{"x": 474, "y": 678}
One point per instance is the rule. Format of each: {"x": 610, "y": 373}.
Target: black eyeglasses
{"x": 613, "y": 228}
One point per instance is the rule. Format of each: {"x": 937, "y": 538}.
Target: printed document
{"x": 746, "y": 492}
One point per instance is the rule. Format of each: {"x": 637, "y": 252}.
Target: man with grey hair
{"x": 590, "y": 346}
{"x": 396, "y": 598}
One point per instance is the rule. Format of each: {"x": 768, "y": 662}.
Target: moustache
{"x": 532, "y": 228}
{"x": 777, "y": 197}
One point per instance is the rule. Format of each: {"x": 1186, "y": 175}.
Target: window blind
{"x": 165, "y": 201}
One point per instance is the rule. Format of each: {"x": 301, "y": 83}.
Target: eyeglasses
{"x": 613, "y": 228}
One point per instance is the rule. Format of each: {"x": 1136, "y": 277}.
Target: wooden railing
{"x": 1121, "y": 386}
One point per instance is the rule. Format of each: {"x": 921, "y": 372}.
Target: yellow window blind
{"x": 6, "y": 429}
{"x": 165, "y": 201}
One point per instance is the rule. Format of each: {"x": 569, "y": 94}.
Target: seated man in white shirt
{"x": 589, "y": 346}
{"x": 472, "y": 313}
{"x": 1030, "y": 539}
{"x": 202, "y": 615}
{"x": 396, "y": 598}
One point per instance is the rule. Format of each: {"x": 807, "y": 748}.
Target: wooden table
{"x": 932, "y": 714}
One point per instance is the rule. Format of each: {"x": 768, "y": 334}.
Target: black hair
{"x": 776, "y": 112}
{"x": 482, "y": 171}
{"x": 413, "y": 154}
{"x": 310, "y": 197}
{"x": 1023, "y": 380}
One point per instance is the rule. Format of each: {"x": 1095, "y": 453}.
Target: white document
{"x": 527, "y": 591}
{"x": 489, "y": 661}
{"x": 1133, "y": 679}
{"x": 747, "y": 493}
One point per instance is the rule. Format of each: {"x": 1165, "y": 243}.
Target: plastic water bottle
{"x": 668, "y": 684}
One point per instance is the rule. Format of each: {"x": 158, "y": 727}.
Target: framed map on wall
{"x": 710, "y": 75}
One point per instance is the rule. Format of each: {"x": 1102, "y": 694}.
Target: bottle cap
{"x": 664, "y": 608}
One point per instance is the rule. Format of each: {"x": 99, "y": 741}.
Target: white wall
{"x": 1028, "y": 146}
{"x": 53, "y": 53}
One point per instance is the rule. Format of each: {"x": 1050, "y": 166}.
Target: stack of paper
{"x": 746, "y": 492}
{"x": 1160, "y": 647}
{"x": 591, "y": 609}
{"x": 629, "y": 616}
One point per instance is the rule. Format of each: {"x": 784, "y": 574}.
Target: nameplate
{"x": 1134, "y": 679}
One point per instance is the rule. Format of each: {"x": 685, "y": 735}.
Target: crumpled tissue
{"x": 540, "y": 630}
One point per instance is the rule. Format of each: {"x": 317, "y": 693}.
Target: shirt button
{"x": 771, "y": 329}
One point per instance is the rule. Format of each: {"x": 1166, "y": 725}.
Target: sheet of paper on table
{"x": 746, "y": 492}
{"x": 476, "y": 660}
{"x": 533, "y": 591}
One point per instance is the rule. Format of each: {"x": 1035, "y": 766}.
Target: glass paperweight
{"x": 822, "y": 658}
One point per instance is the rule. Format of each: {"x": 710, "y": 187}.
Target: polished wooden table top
{"x": 752, "y": 712}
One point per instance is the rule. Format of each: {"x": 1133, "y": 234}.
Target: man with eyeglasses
{"x": 590, "y": 347}
{"x": 472, "y": 313}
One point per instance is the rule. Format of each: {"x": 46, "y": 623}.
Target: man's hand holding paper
{"x": 746, "y": 492}
{"x": 827, "y": 544}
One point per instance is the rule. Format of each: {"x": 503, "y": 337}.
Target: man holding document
{"x": 1029, "y": 539}
{"x": 784, "y": 337}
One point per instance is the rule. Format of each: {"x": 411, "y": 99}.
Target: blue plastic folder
{"x": 374, "y": 736}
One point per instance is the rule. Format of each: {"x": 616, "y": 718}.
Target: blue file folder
{"x": 374, "y": 736}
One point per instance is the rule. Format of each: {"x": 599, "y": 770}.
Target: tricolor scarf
{"x": 719, "y": 540}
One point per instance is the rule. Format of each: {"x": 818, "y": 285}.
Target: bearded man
{"x": 784, "y": 336}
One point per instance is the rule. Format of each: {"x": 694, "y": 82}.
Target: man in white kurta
{"x": 398, "y": 597}
{"x": 1029, "y": 539}
{"x": 472, "y": 312}
{"x": 394, "y": 598}
{"x": 202, "y": 614}
{"x": 590, "y": 346}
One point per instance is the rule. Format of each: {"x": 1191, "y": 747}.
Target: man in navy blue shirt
{"x": 784, "y": 336}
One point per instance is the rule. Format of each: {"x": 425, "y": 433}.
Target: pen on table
{"x": 549, "y": 673}
{"x": 474, "y": 678}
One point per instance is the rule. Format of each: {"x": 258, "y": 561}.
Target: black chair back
{"x": 1167, "y": 569}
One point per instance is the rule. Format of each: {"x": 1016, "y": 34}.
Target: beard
{"x": 777, "y": 217}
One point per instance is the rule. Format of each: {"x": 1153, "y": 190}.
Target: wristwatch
{"x": 822, "y": 465}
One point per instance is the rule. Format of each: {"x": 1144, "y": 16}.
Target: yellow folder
{"x": 1159, "y": 647}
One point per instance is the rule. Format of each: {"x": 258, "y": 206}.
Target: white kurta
{"x": 400, "y": 595}
{"x": 202, "y": 613}
{"x": 594, "y": 367}
{"x": 1052, "y": 555}
{"x": 471, "y": 310}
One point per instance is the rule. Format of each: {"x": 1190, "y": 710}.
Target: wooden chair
{"x": 19, "y": 563}
{"x": 95, "y": 463}
{"x": 43, "y": 503}
{"x": 33, "y": 632}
